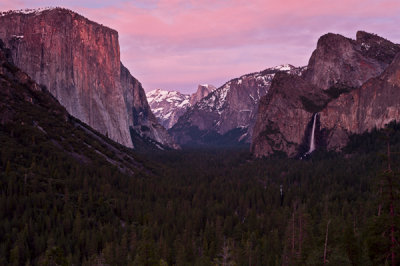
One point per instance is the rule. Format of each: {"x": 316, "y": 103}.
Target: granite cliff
{"x": 32, "y": 119}
{"x": 373, "y": 105}
{"x": 202, "y": 91}
{"x": 347, "y": 82}
{"x": 78, "y": 61}
{"x": 340, "y": 61}
{"x": 140, "y": 117}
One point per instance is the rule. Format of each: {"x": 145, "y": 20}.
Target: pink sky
{"x": 178, "y": 44}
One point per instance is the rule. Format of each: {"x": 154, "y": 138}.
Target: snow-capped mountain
{"x": 168, "y": 106}
{"x": 227, "y": 115}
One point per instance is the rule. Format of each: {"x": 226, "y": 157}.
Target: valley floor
{"x": 199, "y": 207}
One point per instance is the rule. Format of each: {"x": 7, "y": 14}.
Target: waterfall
{"x": 312, "y": 139}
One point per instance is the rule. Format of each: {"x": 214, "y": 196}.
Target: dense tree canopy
{"x": 196, "y": 207}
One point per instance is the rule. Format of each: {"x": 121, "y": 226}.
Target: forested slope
{"x": 200, "y": 208}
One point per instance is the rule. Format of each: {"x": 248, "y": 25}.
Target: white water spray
{"x": 312, "y": 140}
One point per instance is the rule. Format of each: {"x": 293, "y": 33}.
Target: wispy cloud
{"x": 176, "y": 44}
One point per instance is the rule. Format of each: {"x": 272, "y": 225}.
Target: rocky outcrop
{"x": 18, "y": 91}
{"x": 140, "y": 117}
{"x": 373, "y": 105}
{"x": 76, "y": 59}
{"x": 79, "y": 62}
{"x": 227, "y": 115}
{"x": 284, "y": 114}
{"x": 44, "y": 125}
{"x": 340, "y": 61}
{"x": 344, "y": 83}
{"x": 202, "y": 91}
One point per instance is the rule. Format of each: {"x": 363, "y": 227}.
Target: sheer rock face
{"x": 373, "y": 105}
{"x": 202, "y": 91}
{"x": 79, "y": 62}
{"x": 228, "y": 113}
{"x": 338, "y": 60}
{"x": 284, "y": 114}
{"x": 140, "y": 117}
{"x": 18, "y": 90}
{"x": 345, "y": 82}
{"x": 29, "y": 106}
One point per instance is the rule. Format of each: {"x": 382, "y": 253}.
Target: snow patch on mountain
{"x": 233, "y": 105}
{"x": 27, "y": 11}
{"x": 218, "y": 98}
{"x": 168, "y": 106}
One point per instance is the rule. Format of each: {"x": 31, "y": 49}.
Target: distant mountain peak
{"x": 202, "y": 91}
{"x": 227, "y": 114}
{"x": 168, "y": 106}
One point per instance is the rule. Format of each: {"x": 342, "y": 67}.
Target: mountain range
{"x": 227, "y": 115}
{"x": 274, "y": 109}
{"x": 78, "y": 61}
{"x": 168, "y": 106}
